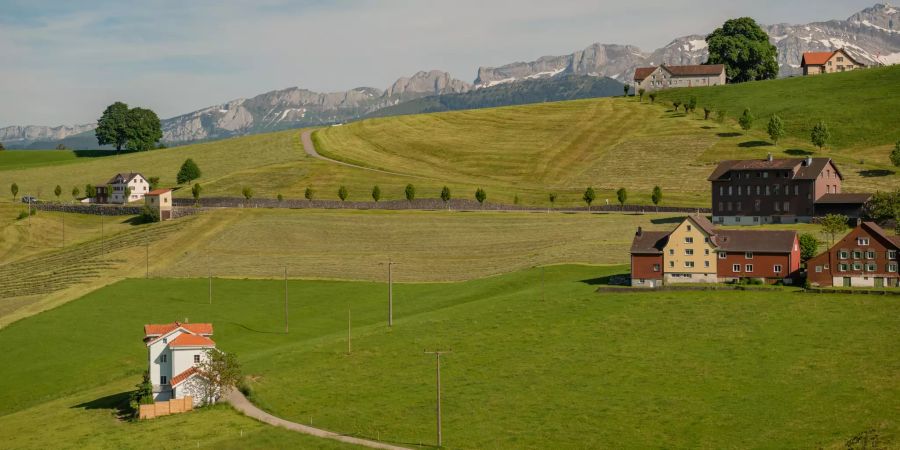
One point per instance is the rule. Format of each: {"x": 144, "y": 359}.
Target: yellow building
{"x": 814, "y": 63}
{"x": 160, "y": 200}
{"x": 689, "y": 256}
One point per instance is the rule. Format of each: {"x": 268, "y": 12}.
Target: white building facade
{"x": 138, "y": 184}
{"x": 174, "y": 351}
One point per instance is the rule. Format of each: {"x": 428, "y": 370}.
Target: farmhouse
{"x": 696, "y": 252}
{"x": 175, "y": 350}
{"x": 866, "y": 257}
{"x": 160, "y": 201}
{"x": 815, "y": 63}
{"x": 664, "y": 76}
{"x": 113, "y": 191}
{"x": 791, "y": 190}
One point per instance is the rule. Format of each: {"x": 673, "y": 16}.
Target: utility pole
{"x": 437, "y": 354}
{"x": 147, "y": 258}
{"x": 543, "y": 291}
{"x": 285, "y": 302}
{"x": 64, "y": 230}
{"x": 348, "y": 328}
{"x": 102, "y": 250}
{"x": 209, "y": 276}
{"x": 390, "y": 265}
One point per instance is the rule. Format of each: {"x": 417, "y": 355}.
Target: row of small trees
{"x": 819, "y": 136}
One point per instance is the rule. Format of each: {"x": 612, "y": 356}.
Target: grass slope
{"x": 557, "y": 367}
{"x": 860, "y": 107}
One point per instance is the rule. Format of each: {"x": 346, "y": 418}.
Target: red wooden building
{"x": 866, "y": 257}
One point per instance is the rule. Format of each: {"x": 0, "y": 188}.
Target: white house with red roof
{"x": 174, "y": 351}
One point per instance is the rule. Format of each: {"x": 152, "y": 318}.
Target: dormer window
{"x": 862, "y": 241}
{"x": 748, "y": 255}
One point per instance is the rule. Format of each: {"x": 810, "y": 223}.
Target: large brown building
{"x": 815, "y": 63}
{"x": 664, "y": 76}
{"x": 866, "y": 257}
{"x": 770, "y": 190}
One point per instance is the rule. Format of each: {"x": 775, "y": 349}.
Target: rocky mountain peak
{"x": 433, "y": 82}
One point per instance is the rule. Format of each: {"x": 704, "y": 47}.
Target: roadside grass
{"x": 534, "y": 365}
{"x": 859, "y": 107}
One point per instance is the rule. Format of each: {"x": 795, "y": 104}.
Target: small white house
{"x": 174, "y": 351}
{"x": 138, "y": 184}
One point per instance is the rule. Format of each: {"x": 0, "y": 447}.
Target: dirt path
{"x": 240, "y": 403}
{"x": 310, "y": 149}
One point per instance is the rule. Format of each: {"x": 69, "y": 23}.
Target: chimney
{"x": 809, "y": 161}
{"x": 858, "y": 221}
{"x": 639, "y": 231}
{"x": 769, "y": 158}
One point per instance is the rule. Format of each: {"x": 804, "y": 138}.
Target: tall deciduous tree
{"x": 309, "y": 193}
{"x": 445, "y": 196}
{"x": 552, "y": 198}
{"x": 247, "y": 192}
{"x": 775, "y": 128}
{"x": 746, "y": 120}
{"x": 376, "y": 193}
{"x": 622, "y": 196}
{"x": 410, "y": 192}
{"x": 112, "y": 127}
{"x": 656, "y": 196}
{"x": 57, "y": 191}
{"x": 809, "y": 246}
{"x": 90, "y": 191}
{"x": 641, "y": 93}
{"x": 189, "y": 172}
{"x": 820, "y": 134}
{"x": 342, "y": 193}
{"x": 652, "y": 97}
{"x": 14, "y": 188}
{"x": 142, "y": 129}
{"x": 691, "y": 104}
{"x": 154, "y": 182}
{"x": 625, "y": 88}
{"x": 589, "y": 196}
{"x": 221, "y": 372}
{"x": 75, "y": 193}
{"x": 196, "y": 190}
{"x": 480, "y": 195}
{"x": 834, "y": 224}
{"x": 744, "y": 48}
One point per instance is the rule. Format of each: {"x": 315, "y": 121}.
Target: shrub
{"x": 22, "y": 214}
{"x": 775, "y": 129}
{"x": 376, "y": 193}
{"x": 820, "y": 135}
{"x": 480, "y": 195}
{"x": 148, "y": 215}
{"x": 895, "y": 155}
{"x": 746, "y": 120}
{"x": 189, "y": 172}
{"x": 280, "y": 198}
{"x": 410, "y": 192}
{"x": 309, "y": 193}
{"x": 652, "y": 97}
{"x": 721, "y": 115}
{"x": 342, "y": 193}
{"x": 706, "y": 113}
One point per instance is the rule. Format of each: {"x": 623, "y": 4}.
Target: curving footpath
{"x": 240, "y": 403}
{"x": 310, "y": 149}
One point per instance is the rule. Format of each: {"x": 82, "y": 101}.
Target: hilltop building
{"x": 697, "y": 252}
{"x": 866, "y": 257}
{"x": 174, "y": 351}
{"x": 814, "y": 63}
{"x": 792, "y": 190}
{"x": 113, "y": 191}
{"x": 665, "y": 76}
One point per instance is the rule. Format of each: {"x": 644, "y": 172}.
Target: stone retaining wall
{"x": 81, "y": 208}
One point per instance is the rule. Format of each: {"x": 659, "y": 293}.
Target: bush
{"x": 148, "y": 215}
{"x": 244, "y": 387}
{"x": 22, "y": 215}
{"x": 746, "y": 120}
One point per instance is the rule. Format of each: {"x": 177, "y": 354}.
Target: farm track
{"x": 46, "y": 274}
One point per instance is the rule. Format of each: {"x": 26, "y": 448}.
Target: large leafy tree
{"x": 142, "y": 129}
{"x": 112, "y": 128}
{"x": 189, "y": 172}
{"x": 744, "y": 48}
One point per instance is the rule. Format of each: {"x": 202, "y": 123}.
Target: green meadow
{"x": 539, "y": 360}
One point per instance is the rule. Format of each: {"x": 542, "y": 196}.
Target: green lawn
{"x": 19, "y": 159}
{"x": 860, "y": 107}
{"x": 559, "y": 367}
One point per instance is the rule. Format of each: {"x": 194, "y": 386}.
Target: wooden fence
{"x": 174, "y": 406}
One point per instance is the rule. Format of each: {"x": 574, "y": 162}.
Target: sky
{"x": 63, "y": 62}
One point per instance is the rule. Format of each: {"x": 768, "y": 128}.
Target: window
{"x": 163, "y": 358}
{"x": 689, "y": 229}
{"x": 748, "y": 255}
{"x": 843, "y": 267}
{"x": 892, "y": 267}
{"x": 736, "y": 268}
{"x": 870, "y": 254}
{"x": 689, "y": 264}
{"x": 722, "y": 255}
{"x": 748, "y": 268}
{"x": 163, "y": 379}
{"x": 843, "y": 254}
{"x": 777, "y": 268}
{"x": 729, "y": 206}
{"x": 871, "y": 267}
{"x": 787, "y": 206}
{"x": 165, "y": 340}
{"x": 672, "y": 264}
{"x": 730, "y": 190}
{"x": 892, "y": 254}
{"x": 796, "y": 189}
{"x": 689, "y": 252}
{"x": 857, "y": 254}
{"x": 196, "y": 359}
{"x": 765, "y": 174}
{"x": 862, "y": 241}
{"x": 721, "y": 190}
{"x": 739, "y": 206}
{"x": 705, "y": 263}
{"x": 671, "y": 251}
{"x": 758, "y": 190}
{"x": 656, "y": 267}
{"x": 857, "y": 266}
{"x": 721, "y": 206}
{"x": 706, "y": 251}
{"x": 688, "y": 240}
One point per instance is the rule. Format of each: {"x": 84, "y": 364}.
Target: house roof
{"x": 803, "y": 168}
{"x": 192, "y": 340}
{"x": 123, "y": 177}
{"x": 184, "y": 376}
{"x": 703, "y": 223}
{"x": 643, "y": 72}
{"x": 156, "y": 192}
{"x": 695, "y": 70}
{"x": 153, "y": 329}
{"x": 844, "y": 199}
{"x": 649, "y": 242}
{"x": 876, "y": 230}
{"x": 756, "y": 241}
{"x": 820, "y": 58}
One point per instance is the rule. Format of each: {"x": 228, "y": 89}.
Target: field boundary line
{"x": 310, "y": 148}
{"x": 242, "y": 404}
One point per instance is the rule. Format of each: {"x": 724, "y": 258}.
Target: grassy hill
{"x": 528, "y": 151}
{"x": 859, "y": 107}
{"x": 534, "y": 364}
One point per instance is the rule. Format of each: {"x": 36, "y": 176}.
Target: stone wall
{"x": 80, "y": 208}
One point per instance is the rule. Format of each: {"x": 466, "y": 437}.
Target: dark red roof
{"x": 844, "y": 199}
{"x": 876, "y": 230}
{"x": 815, "y": 58}
{"x": 649, "y": 242}
{"x": 756, "y": 241}
{"x": 803, "y": 168}
{"x": 643, "y": 72}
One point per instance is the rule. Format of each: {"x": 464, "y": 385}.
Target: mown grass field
{"x": 859, "y": 107}
{"x": 532, "y": 150}
{"x": 18, "y": 159}
{"x": 532, "y": 367}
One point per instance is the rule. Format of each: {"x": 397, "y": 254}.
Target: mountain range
{"x": 871, "y": 35}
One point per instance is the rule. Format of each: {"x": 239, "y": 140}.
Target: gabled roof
{"x": 803, "y": 168}
{"x": 124, "y": 178}
{"x": 820, "y": 58}
{"x": 649, "y": 242}
{"x": 642, "y": 73}
{"x": 156, "y": 330}
{"x": 756, "y": 241}
{"x": 703, "y": 223}
{"x": 184, "y": 376}
{"x": 192, "y": 340}
{"x": 876, "y": 230}
{"x": 156, "y": 192}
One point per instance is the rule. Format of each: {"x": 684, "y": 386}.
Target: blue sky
{"x": 64, "y": 61}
